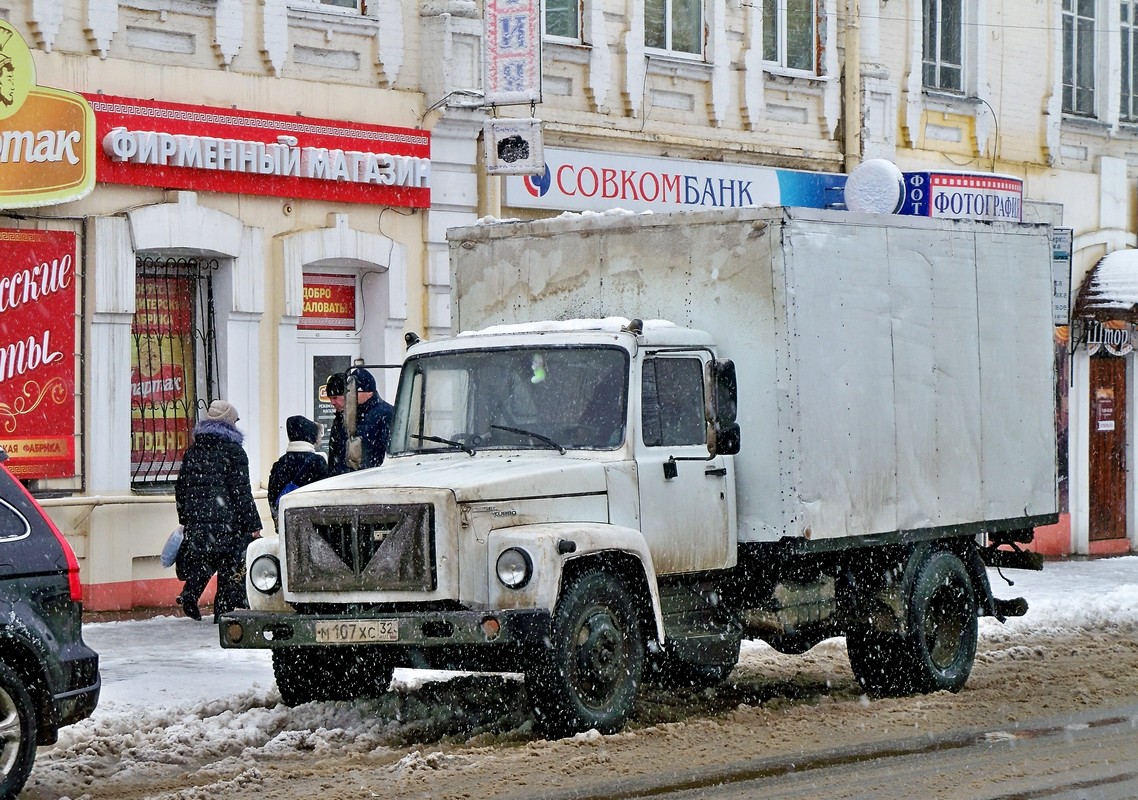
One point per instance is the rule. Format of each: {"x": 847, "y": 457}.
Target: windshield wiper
{"x": 532, "y": 435}
{"x": 463, "y": 447}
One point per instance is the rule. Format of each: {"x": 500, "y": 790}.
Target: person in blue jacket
{"x": 373, "y": 425}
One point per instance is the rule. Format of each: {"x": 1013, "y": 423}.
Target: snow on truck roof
{"x": 655, "y": 332}
{"x": 605, "y": 325}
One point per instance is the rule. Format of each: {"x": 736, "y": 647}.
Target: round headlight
{"x": 514, "y": 568}
{"x": 265, "y": 574}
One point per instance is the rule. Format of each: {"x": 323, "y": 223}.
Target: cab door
{"x": 687, "y": 500}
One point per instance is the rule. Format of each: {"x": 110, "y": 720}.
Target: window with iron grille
{"x": 944, "y": 45}
{"x": 1079, "y": 57}
{"x": 173, "y": 363}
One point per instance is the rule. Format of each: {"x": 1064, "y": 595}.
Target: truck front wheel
{"x": 588, "y": 674}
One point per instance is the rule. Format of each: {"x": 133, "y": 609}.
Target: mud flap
{"x": 992, "y": 605}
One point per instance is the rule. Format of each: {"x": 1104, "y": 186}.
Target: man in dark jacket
{"x": 373, "y": 427}
{"x": 217, "y": 511}
{"x": 301, "y": 464}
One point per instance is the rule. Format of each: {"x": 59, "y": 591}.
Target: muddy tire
{"x": 942, "y": 625}
{"x": 588, "y": 674}
{"x": 18, "y": 728}
{"x": 939, "y": 648}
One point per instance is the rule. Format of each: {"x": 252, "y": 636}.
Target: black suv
{"x": 48, "y": 677}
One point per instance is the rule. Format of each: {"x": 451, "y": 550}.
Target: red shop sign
{"x": 178, "y": 146}
{"x": 329, "y": 303}
{"x": 37, "y": 352}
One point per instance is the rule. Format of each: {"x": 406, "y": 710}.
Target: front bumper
{"x": 419, "y": 630}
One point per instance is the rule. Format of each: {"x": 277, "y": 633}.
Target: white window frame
{"x": 668, "y": 33}
{"x": 557, "y": 37}
{"x": 327, "y": 6}
{"x": 779, "y": 21}
{"x": 1081, "y": 41}
{"x": 1129, "y": 29}
{"x": 935, "y": 60}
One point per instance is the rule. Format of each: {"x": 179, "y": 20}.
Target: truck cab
{"x": 521, "y": 458}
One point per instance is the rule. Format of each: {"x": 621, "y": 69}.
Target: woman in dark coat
{"x": 217, "y": 511}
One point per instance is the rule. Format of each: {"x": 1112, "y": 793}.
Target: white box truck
{"x": 660, "y": 434}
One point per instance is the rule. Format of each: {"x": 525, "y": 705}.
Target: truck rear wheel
{"x": 588, "y": 675}
{"x": 942, "y": 625}
{"x": 939, "y": 648}
{"x": 305, "y": 674}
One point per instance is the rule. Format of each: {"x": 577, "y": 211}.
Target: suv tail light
{"x": 72, "y": 562}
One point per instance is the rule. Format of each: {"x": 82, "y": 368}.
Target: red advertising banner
{"x": 162, "y": 375}
{"x": 203, "y": 148}
{"x": 37, "y": 352}
{"x": 329, "y": 303}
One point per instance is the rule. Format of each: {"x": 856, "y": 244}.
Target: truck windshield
{"x": 569, "y": 397}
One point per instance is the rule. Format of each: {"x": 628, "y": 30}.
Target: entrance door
{"x": 1108, "y": 448}
{"x": 321, "y": 359}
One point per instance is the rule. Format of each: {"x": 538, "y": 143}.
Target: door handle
{"x": 720, "y": 472}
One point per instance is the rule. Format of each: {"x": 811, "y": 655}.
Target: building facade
{"x": 274, "y": 182}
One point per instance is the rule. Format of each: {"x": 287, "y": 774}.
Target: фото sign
{"x": 37, "y": 352}
{"x": 580, "y": 180}
{"x": 177, "y": 146}
{"x": 47, "y": 143}
{"x": 963, "y": 195}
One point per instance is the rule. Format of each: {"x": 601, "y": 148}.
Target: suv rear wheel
{"x": 17, "y": 732}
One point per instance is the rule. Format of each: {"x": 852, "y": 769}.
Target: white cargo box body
{"x": 895, "y": 373}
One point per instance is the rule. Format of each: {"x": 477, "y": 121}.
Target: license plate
{"x": 355, "y": 631}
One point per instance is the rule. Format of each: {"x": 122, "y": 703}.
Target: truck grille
{"x": 361, "y": 548}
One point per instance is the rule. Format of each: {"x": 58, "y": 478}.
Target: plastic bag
{"x": 173, "y": 545}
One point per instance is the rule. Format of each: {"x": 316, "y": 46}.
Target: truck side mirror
{"x": 725, "y": 439}
{"x": 723, "y": 405}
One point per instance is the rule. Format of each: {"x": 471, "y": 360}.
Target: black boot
{"x": 189, "y": 607}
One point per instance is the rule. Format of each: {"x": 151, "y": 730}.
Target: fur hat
{"x": 365, "y": 381}
{"x": 222, "y": 411}
{"x": 302, "y": 429}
